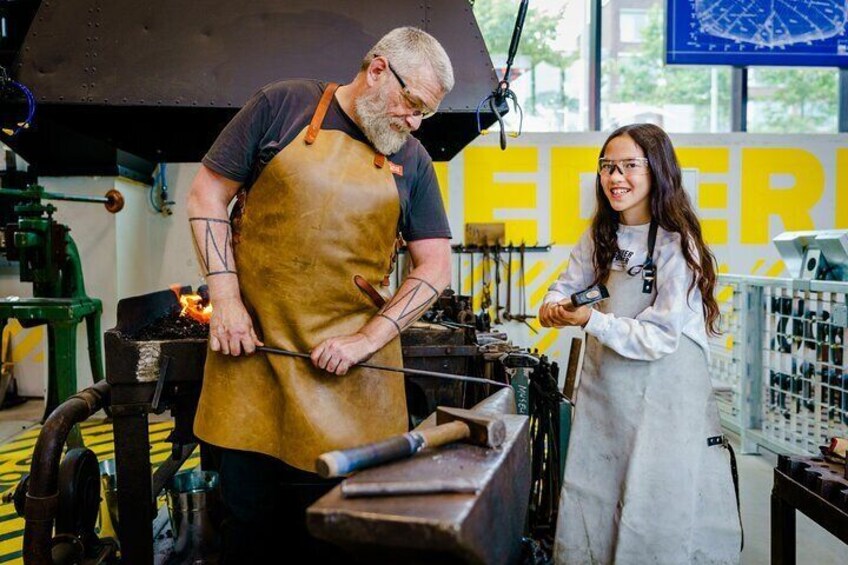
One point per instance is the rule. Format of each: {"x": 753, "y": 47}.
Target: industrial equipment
{"x": 48, "y": 258}
{"x": 818, "y": 255}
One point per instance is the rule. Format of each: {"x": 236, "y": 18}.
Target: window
{"x": 637, "y": 86}
{"x": 793, "y": 100}
{"x": 630, "y": 25}
{"x": 549, "y": 74}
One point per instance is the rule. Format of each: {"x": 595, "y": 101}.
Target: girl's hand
{"x": 560, "y": 314}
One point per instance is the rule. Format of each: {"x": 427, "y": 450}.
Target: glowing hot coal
{"x": 193, "y": 307}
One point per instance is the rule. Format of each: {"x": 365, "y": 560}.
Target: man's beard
{"x": 372, "y": 111}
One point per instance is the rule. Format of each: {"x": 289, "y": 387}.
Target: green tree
{"x": 644, "y": 77}
{"x": 792, "y": 100}
{"x": 798, "y": 100}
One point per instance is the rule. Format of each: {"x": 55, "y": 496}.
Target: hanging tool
{"x": 471, "y": 292}
{"x": 498, "y": 100}
{"x": 453, "y": 424}
{"x": 404, "y": 370}
{"x": 523, "y": 317}
{"x": 485, "y": 265}
{"x": 508, "y": 312}
{"x": 459, "y": 272}
{"x": 498, "y": 306}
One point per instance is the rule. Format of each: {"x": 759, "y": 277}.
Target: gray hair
{"x": 410, "y": 48}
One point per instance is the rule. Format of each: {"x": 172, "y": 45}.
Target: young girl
{"x": 648, "y": 476}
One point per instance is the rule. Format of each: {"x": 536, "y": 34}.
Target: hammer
{"x": 453, "y": 424}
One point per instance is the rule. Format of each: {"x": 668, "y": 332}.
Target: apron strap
{"x": 320, "y": 112}
{"x": 649, "y": 270}
{"x": 734, "y": 473}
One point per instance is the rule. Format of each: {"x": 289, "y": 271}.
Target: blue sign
{"x": 743, "y": 33}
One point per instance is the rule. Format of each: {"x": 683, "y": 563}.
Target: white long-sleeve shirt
{"x": 656, "y": 330}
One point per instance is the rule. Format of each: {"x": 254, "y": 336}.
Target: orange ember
{"x": 193, "y": 307}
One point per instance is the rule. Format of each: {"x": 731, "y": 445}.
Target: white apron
{"x": 641, "y": 484}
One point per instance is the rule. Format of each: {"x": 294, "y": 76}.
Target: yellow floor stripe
{"x": 15, "y": 458}
{"x": 11, "y": 545}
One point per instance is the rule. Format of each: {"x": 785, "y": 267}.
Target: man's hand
{"x": 231, "y": 329}
{"x": 559, "y": 314}
{"x": 338, "y": 354}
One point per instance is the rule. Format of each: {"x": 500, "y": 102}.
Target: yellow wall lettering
{"x": 761, "y": 199}
{"x": 841, "y": 189}
{"x": 567, "y": 164}
{"x": 711, "y": 195}
{"x": 441, "y": 169}
{"x": 484, "y": 195}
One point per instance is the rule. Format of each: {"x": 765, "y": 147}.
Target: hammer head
{"x": 486, "y": 431}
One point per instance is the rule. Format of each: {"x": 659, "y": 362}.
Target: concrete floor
{"x": 815, "y": 545}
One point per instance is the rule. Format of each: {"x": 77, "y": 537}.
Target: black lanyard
{"x": 648, "y": 269}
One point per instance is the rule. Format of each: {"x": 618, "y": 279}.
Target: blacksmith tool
{"x": 523, "y": 317}
{"x": 398, "y": 488}
{"x": 452, "y": 424}
{"x": 589, "y": 296}
{"x": 508, "y": 312}
{"x": 404, "y": 370}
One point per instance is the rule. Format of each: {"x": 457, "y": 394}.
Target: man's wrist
{"x": 371, "y": 344}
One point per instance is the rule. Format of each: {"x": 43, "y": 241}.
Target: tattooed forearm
{"x": 412, "y": 300}
{"x": 214, "y": 244}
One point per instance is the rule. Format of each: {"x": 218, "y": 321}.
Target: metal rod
{"x": 595, "y": 66}
{"x": 414, "y": 372}
{"x": 843, "y": 101}
{"x": 31, "y": 195}
{"x": 739, "y": 99}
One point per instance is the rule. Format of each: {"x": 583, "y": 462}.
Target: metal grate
{"x": 805, "y": 390}
{"x": 779, "y": 368}
{"x": 725, "y": 362}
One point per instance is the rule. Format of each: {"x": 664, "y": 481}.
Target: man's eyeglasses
{"x": 419, "y": 109}
{"x": 634, "y": 167}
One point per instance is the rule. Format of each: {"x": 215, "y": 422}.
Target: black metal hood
{"x": 158, "y": 79}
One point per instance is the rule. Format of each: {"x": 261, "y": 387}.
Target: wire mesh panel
{"x": 726, "y": 362}
{"x": 805, "y": 391}
{"x": 779, "y": 366}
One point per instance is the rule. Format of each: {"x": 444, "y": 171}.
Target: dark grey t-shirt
{"x": 278, "y": 112}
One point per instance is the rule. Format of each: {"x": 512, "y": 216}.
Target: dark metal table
{"x": 817, "y": 488}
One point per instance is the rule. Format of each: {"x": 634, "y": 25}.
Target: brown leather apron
{"x": 324, "y": 210}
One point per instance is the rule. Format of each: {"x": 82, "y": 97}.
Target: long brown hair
{"x": 670, "y": 207}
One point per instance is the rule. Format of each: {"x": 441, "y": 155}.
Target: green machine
{"x": 48, "y": 258}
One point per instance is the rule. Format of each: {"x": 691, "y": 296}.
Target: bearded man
{"x": 326, "y": 179}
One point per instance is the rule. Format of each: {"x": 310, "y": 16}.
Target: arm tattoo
{"x": 406, "y": 307}
{"x": 397, "y": 326}
{"x": 213, "y": 238}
